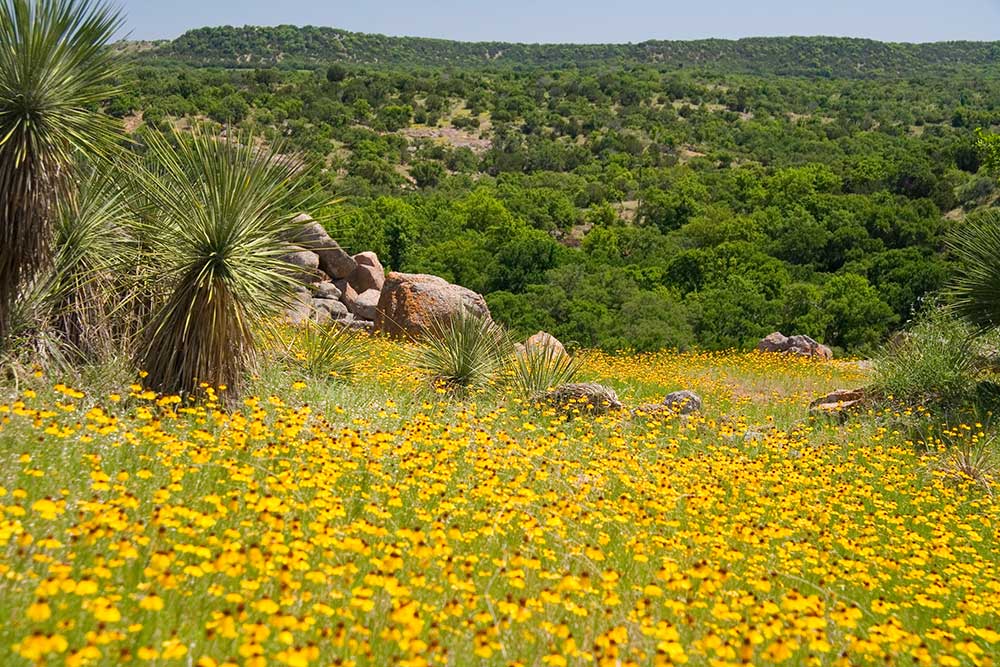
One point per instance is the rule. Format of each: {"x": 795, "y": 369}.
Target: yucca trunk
{"x": 28, "y": 194}
{"x": 202, "y": 335}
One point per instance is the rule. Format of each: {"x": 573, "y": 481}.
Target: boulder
{"x": 368, "y": 258}
{"x": 304, "y": 266}
{"x": 326, "y": 290}
{"x": 364, "y": 306}
{"x": 543, "y": 341}
{"x": 799, "y": 345}
{"x": 299, "y": 306}
{"x": 410, "y": 303}
{"x": 590, "y": 396}
{"x": 335, "y": 310}
{"x": 368, "y": 274}
{"x": 650, "y": 410}
{"x": 683, "y": 402}
{"x": 333, "y": 261}
{"x": 320, "y": 316}
{"x": 678, "y": 402}
{"x": 347, "y": 293}
{"x": 358, "y": 326}
{"x": 838, "y": 402}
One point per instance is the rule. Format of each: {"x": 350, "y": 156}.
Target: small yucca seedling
{"x": 978, "y": 462}
{"x": 538, "y": 369}
{"x": 463, "y": 351}
{"x": 328, "y": 352}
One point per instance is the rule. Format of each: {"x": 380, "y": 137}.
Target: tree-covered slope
{"x": 823, "y": 56}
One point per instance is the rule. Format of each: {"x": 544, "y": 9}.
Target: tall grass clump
{"x": 464, "y": 351}
{"x": 325, "y": 352}
{"x": 221, "y": 210}
{"x": 934, "y": 363}
{"x": 537, "y": 369}
{"x": 54, "y": 68}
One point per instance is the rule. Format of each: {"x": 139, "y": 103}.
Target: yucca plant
{"x": 55, "y": 68}
{"x": 976, "y": 461}
{"x": 75, "y": 309}
{"x": 975, "y": 289}
{"x": 222, "y": 209}
{"x": 537, "y": 369}
{"x": 89, "y": 285}
{"x": 464, "y": 351}
{"x": 326, "y": 352}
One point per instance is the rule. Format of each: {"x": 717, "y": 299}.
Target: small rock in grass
{"x": 838, "y": 402}
{"x": 587, "y": 396}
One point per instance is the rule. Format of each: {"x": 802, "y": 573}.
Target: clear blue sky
{"x": 584, "y": 20}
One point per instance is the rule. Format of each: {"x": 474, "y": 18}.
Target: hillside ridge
{"x": 816, "y": 56}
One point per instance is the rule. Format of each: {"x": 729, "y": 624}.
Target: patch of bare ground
{"x": 132, "y": 122}
{"x": 404, "y": 171}
{"x": 687, "y": 153}
{"x": 451, "y": 136}
{"x": 132, "y": 47}
{"x": 574, "y": 237}
{"x": 627, "y": 209}
{"x": 796, "y": 117}
{"x": 955, "y": 214}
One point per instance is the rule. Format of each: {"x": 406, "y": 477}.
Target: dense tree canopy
{"x": 627, "y": 200}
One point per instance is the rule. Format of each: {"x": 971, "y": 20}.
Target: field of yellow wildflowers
{"x": 382, "y": 523}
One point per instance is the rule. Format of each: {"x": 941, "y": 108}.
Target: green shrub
{"x": 935, "y": 363}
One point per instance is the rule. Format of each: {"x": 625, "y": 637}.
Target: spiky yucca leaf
{"x": 90, "y": 285}
{"x": 224, "y": 209}
{"x": 54, "y": 68}
{"x": 975, "y": 289}
{"x": 464, "y": 351}
{"x": 75, "y": 309}
{"x": 537, "y": 369}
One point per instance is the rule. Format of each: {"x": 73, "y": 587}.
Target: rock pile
{"x": 354, "y": 291}
{"x": 803, "y": 346}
